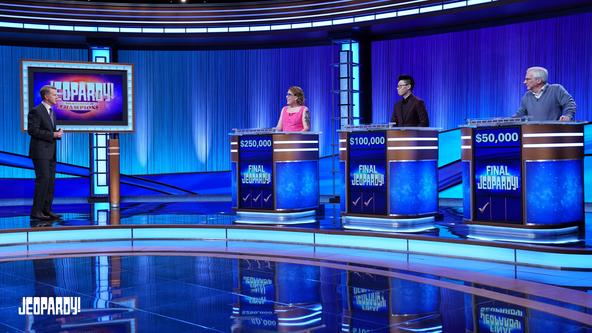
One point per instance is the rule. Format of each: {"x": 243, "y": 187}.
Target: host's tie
{"x": 51, "y": 116}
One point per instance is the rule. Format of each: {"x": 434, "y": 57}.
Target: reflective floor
{"x": 162, "y": 293}
{"x": 448, "y": 224}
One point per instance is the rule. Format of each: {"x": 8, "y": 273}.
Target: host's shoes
{"x": 53, "y": 216}
{"x": 41, "y": 217}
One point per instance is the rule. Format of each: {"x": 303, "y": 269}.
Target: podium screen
{"x": 255, "y": 172}
{"x": 498, "y": 174}
{"x": 367, "y": 173}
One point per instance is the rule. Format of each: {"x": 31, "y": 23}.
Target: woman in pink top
{"x": 294, "y": 117}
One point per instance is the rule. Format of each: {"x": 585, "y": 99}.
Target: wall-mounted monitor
{"x": 92, "y": 97}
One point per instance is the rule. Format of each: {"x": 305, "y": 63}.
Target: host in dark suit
{"x": 410, "y": 111}
{"x": 42, "y": 150}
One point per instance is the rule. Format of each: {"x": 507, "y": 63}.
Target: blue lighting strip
{"x": 179, "y": 233}
{"x": 271, "y": 236}
{"x": 312, "y": 321}
{"x": 244, "y": 25}
{"x": 480, "y": 252}
{"x": 369, "y": 242}
{"x": 79, "y": 235}
{"x": 92, "y": 239}
{"x": 554, "y": 259}
{"x": 13, "y": 238}
{"x": 281, "y": 222}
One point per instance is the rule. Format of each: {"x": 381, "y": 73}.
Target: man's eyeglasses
{"x": 401, "y": 85}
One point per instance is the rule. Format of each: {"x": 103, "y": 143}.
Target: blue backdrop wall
{"x": 479, "y": 73}
{"x": 188, "y": 101}
{"x": 71, "y": 148}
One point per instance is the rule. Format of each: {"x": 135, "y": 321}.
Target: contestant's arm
{"x": 568, "y": 105}
{"x": 394, "y": 117}
{"x": 306, "y": 120}
{"x": 422, "y": 113}
{"x": 521, "y": 110}
{"x": 279, "y": 124}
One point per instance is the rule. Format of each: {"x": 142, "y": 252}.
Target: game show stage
{"x": 182, "y": 207}
{"x": 207, "y": 252}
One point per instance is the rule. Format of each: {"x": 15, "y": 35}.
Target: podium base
{"x": 258, "y": 218}
{"x": 388, "y": 224}
{"x": 564, "y": 235}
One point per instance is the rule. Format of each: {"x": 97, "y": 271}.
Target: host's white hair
{"x": 539, "y": 73}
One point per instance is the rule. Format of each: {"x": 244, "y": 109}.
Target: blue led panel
{"x": 588, "y": 139}
{"x": 233, "y": 181}
{"x": 466, "y": 184}
{"x": 588, "y": 179}
{"x": 448, "y": 147}
{"x": 297, "y": 184}
{"x": 554, "y": 192}
{"x": 413, "y": 187}
{"x": 342, "y": 197}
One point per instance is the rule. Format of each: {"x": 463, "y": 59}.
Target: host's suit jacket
{"x": 40, "y": 128}
{"x": 415, "y": 116}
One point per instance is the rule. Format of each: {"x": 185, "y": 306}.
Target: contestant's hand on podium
{"x": 58, "y": 134}
{"x": 564, "y": 118}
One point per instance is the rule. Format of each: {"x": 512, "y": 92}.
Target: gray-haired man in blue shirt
{"x": 544, "y": 101}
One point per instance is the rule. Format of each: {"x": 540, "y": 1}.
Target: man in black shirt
{"x": 410, "y": 111}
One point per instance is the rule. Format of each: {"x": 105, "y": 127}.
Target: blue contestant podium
{"x": 275, "y": 176}
{"x": 523, "y": 175}
{"x": 391, "y": 177}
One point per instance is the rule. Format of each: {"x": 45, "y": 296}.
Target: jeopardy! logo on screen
{"x": 84, "y": 96}
{"x": 92, "y": 97}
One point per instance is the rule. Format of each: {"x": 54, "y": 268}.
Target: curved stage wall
{"x": 189, "y": 100}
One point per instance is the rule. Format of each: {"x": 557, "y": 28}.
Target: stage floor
{"x": 241, "y": 286}
{"x": 159, "y": 293}
{"x": 448, "y": 225}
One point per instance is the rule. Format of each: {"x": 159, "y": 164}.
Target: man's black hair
{"x": 408, "y": 79}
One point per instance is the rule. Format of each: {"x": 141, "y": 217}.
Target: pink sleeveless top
{"x": 292, "y": 122}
